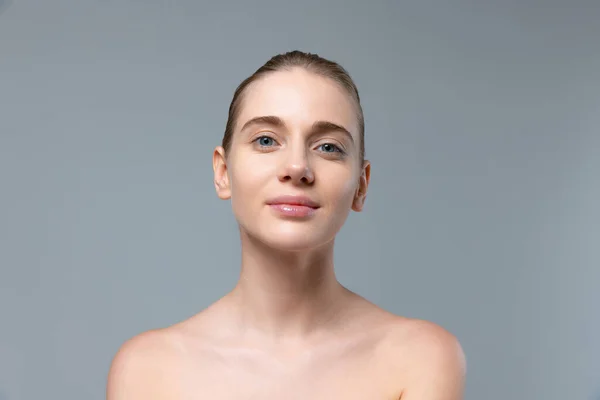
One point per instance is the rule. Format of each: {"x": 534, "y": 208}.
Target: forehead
{"x": 299, "y": 98}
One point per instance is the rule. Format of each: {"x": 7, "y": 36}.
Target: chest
{"x": 350, "y": 376}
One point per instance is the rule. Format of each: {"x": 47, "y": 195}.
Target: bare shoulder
{"x": 141, "y": 364}
{"x": 430, "y": 359}
{"x": 424, "y": 339}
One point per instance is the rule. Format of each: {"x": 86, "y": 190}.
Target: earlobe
{"x": 221, "y": 178}
{"x": 359, "y": 201}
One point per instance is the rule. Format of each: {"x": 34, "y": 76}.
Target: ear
{"x": 363, "y": 184}
{"x": 221, "y": 177}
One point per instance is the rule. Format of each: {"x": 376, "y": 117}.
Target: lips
{"x": 293, "y": 201}
{"x": 293, "y": 206}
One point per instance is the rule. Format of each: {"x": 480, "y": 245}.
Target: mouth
{"x": 293, "y": 206}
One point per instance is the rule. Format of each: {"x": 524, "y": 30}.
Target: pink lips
{"x": 293, "y": 206}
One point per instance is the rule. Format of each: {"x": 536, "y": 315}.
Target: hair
{"x": 285, "y": 62}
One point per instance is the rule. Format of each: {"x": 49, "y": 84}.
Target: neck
{"x": 285, "y": 294}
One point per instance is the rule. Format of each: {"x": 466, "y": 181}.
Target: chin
{"x": 294, "y": 237}
{"x": 290, "y": 235}
{"x": 292, "y": 244}
{"x": 293, "y": 241}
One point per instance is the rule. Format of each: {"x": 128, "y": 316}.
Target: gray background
{"x": 482, "y": 122}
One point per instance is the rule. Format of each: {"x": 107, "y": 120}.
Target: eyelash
{"x": 338, "y": 149}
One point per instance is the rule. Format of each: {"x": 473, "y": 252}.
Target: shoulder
{"x": 141, "y": 364}
{"x": 426, "y": 339}
{"x": 430, "y": 360}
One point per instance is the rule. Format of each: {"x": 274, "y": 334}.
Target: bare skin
{"x": 289, "y": 329}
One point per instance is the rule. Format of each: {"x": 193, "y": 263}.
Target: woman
{"x": 292, "y": 164}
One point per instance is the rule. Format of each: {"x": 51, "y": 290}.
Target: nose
{"x": 296, "y": 167}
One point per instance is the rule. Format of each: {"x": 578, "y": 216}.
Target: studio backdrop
{"x": 482, "y": 126}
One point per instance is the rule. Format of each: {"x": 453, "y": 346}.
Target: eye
{"x": 265, "y": 141}
{"x": 330, "y": 148}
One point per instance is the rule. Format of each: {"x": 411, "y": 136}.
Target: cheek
{"x": 247, "y": 177}
{"x": 341, "y": 191}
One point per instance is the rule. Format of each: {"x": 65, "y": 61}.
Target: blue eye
{"x": 265, "y": 141}
{"x": 330, "y": 148}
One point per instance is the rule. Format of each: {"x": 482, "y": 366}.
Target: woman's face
{"x": 296, "y": 136}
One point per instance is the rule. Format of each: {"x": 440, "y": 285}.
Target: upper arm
{"x": 135, "y": 372}
{"x": 439, "y": 367}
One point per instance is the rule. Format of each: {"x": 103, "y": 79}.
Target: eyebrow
{"x": 318, "y": 127}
